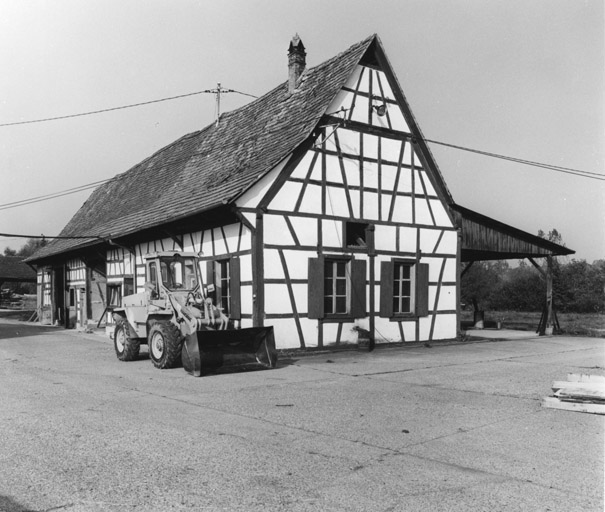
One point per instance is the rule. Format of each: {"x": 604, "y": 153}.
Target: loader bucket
{"x": 205, "y": 350}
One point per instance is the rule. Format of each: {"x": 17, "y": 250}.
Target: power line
{"x": 82, "y": 188}
{"x": 53, "y": 195}
{"x": 58, "y": 237}
{"x": 69, "y": 116}
{"x": 557, "y": 168}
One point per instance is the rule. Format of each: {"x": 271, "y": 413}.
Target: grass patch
{"x": 575, "y": 324}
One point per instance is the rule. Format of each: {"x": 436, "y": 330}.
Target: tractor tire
{"x": 127, "y": 348}
{"x": 165, "y": 345}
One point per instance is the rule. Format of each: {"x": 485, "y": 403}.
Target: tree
{"x": 31, "y": 246}
{"x": 482, "y": 282}
{"x": 9, "y": 252}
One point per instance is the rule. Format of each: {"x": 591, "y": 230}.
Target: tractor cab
{"x": 177, "y": 272}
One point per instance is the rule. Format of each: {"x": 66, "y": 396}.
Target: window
{"x": 224, "y": 275}
{"x": 403, "y": 281}
{"x": 114, "y": 292}
{"x": 336, "y": 288}
{"x": 356, "y": 234}
{"x": 223, "y": 285}
{"x": 404, "y": 289}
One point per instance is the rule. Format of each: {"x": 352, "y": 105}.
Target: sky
{"x": 521, "y": 78}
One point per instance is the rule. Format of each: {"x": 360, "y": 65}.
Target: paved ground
{"x": 452, "y": 427}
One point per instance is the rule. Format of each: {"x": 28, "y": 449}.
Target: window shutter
{"x": 235, "y": 308}
{"x": 209, "y": 272}
{"x": 358, "y": 289}
{"x": 316, "y": 288}
{"x": 386, "y": 289}
{"x": 422, "y": 289}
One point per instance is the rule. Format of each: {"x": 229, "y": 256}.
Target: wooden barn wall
{"x": 479, "y": 237}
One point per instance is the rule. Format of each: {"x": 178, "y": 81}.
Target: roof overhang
{"x": 484, "y": 238}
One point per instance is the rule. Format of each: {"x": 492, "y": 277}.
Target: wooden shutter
{"x": 235, "y": 308}
{"x": 422, "y": 289}
{"x": 209, "y": 272}
{"x": 315, "y": 288}
{"x": 358, "y": 289}
{"x": 386, "y": 289}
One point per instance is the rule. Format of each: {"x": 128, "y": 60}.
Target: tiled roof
{"x": 12, "y": 268}
{"x": 207, "y": 168}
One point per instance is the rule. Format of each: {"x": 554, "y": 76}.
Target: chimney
{"x": 296, "y": 62}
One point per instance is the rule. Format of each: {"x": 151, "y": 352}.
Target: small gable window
{"x": 356, "y": 234}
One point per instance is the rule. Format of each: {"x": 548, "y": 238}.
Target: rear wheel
{"x": 164, "y": 345}
{"x": 127, "y": 348}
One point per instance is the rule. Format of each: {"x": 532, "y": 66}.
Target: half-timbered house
{"x": 317, "y": 208}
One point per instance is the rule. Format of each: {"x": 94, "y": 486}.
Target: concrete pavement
{"x": 448, "y": 427}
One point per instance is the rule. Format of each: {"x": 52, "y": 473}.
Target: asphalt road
{"x": 447, "y": 427}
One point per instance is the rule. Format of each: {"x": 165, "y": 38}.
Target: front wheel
{"x": 164, "y": 345}
{"x": 127, "y": 348}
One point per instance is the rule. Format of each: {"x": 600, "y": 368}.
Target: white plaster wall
{"x": 277, "y": 300}
{"x": 300, "y": 292}
{"x": 246, "y": 301}
{"x": 302, "y": 168}
{"x": 273, "y": 266}
{"x": 287, "y": 196}
{"x": 254, "y": 195}
{"x": 447, "y": 298}
{"x": 311, "y": 202}
{"x": 286, "y": 335}
{"x": 349, "y": 141}
{"x": 298, "y": 263}
{"x": 331, "y": 233}
{"x": 245, "y": 265}
{"x": 385, "y": 238}
{"x": 276, "y": 231}
{"x": 449, "y": 242}
{"x": 445, "y": 327}
{"x": 336, "y": 202}
{"x": 407, "y": 239}
{"x": 440, "y": 214}
{"x": 402, "y": 211}
{"x": 352, "y": 172}
{"x": 306, "y": 230}
{"x": 386, "y": 331}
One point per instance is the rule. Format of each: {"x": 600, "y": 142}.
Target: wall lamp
{"x": 381, "y": 110}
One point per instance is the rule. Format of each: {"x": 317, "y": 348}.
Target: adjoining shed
{"x": 14, "y": 270}
{"x": 485, "y": 239}
{"x": 317, "y": 209}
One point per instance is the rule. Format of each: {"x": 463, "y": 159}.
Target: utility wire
{"x": 46, "y": 197}
{"x": 58, "y": 237}
{"x": 567, "y": 170}
{"x": 56, "y": 118}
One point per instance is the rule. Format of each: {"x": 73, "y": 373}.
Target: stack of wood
{"x": 580, "y": 393}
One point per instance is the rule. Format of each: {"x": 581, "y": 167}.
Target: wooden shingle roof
{"x": 12, "y": 268}
{"x": 208, "y": 168}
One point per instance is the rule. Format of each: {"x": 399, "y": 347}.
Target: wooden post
{"x": 549, "y": 321}
{"x": 372, "y": 257}
{"x": 258, "y": 274}
{"x": 459, "y": 274}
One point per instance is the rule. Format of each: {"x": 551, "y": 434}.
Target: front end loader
{"x": 177, "y": 319}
